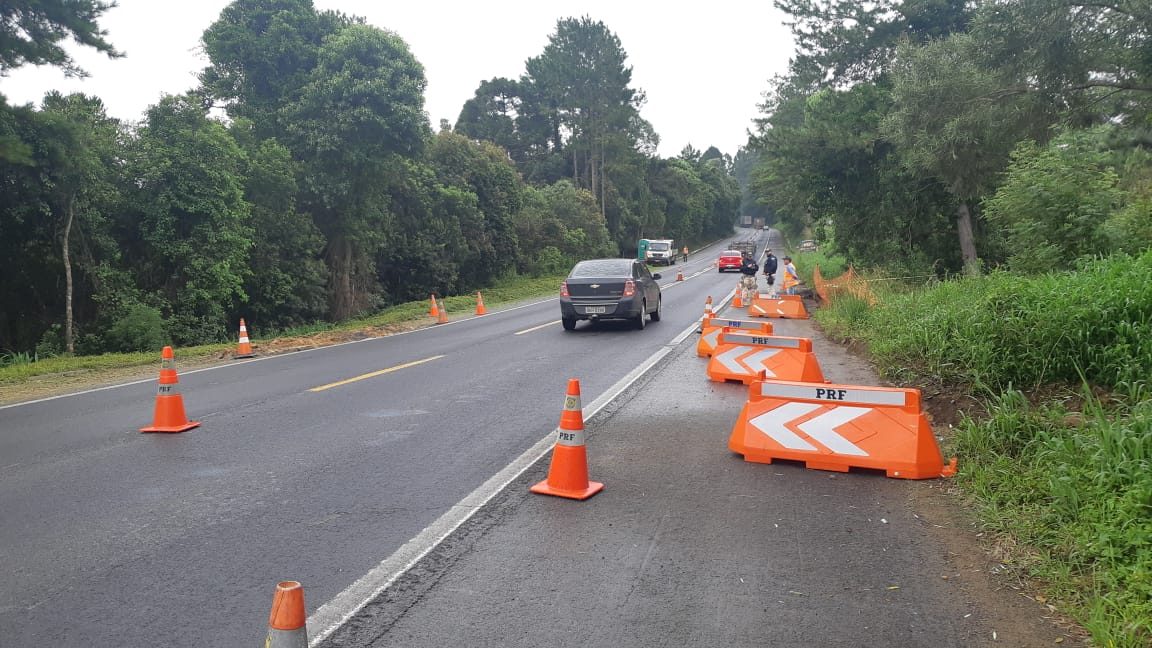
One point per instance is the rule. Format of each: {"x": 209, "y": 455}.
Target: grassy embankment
{"x": 17, "y": 368}
{"x": 1056, "y": 450}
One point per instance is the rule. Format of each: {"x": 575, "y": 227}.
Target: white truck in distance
{"x": 661, "y": 252}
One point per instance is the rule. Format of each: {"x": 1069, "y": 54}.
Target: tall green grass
{"x": 1059, "y": 454}
{"x": 1095, "y": 323}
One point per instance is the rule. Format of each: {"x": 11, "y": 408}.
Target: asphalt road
{"x": 687, "y": 545}
{"x": 391, "y": 477}
{"x": 323, "y": 466}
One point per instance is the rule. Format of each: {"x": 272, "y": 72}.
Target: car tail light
{"x": 629, "y": 288}
{"x": 564, "y": 289}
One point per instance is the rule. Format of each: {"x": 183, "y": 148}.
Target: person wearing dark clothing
{"x": 770, "y": 264}
{"x": 748, "y": 270}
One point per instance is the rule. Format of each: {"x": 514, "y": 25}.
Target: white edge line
{"x": 345, "y": 605}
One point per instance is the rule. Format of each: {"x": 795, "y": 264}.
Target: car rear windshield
{"x": 603, "y": 268}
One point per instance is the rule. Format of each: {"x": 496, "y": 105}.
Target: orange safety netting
{"x": 848, "y": 283}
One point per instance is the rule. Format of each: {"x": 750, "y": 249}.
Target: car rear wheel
{"x": 569, "y": 323}
{"x": 658, "y": 313}
{"x": 639, "y": 321}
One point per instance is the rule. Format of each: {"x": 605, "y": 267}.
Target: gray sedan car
{"x": 601, "y": 289}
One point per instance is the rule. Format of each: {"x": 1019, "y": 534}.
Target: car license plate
{"x": 593, "y": 310}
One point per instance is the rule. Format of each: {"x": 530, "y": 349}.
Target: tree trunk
{"x": 603, "y": 186}
{"x": 592, "y": 174}
{"x": 593, "y": 158}
{"x": 341, "y": 296}
{"x": 65, "y": 253}
{"x": 967, "y": 239}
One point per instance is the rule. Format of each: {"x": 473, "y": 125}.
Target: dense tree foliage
{"x": 574, "y": 115}
{"x": 890, "y": 136}
{"x": 324, "y": 194}
{"x": 31, "y": 32}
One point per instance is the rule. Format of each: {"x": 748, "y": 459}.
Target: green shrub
{"x": 141, "y": 328}
{"x": 51, "y": 342}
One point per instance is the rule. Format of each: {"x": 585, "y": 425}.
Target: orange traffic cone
{"x": 287, "y": 625}
{"x": 442, "y": 318}
{"x": 680, "y": 274}
{"x": 568, "y": 475}
{"x": 169, "y": 414}
{"x": 480, "y": 310}
{"x": 708, "y": 307}
{"x": 244, "y": 348}
{"x": 434, "y": 312}
{"x": 739, "y": 301}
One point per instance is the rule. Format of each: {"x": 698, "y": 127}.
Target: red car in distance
{"x": 729, "y": 260}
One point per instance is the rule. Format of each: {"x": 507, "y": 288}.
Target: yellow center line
{"x": 374, "y": 374}
{"x": 536, "y": 328}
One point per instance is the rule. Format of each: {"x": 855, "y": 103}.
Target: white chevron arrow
{"x": 755, "y": 362}
{"x": 821, "y": 429}
{"x": 730, "y": 361}
{"x": 712, "y": 336}
{"x": 772, "y": 424}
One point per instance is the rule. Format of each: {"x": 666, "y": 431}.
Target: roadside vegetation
{"x": 325, "y": 195}
{"x": 986, "y": 169}
{"x": 1055, "y": 444}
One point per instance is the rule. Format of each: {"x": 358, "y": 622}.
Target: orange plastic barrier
{"x": 838, "y": 427}
{"x": 168, "y": 415}
{"x": 712, "y": 327}
{"x": 287, "y": 624}
{"x": 244, "y": 346}
{"x": 743, "y": 356}
{"x": 783, "y": 306}
{"x": 568, "y": 474}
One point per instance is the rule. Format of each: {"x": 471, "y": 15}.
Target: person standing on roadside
{"x": 770, "y": 265}
{"x": 685, "y": 253}
{"x": 790, "y": 279}
{"x": 748, "y": 270}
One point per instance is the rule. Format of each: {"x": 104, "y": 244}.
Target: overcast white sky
{"x": 703, "y": 66}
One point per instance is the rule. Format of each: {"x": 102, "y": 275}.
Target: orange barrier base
{"x": 839, "y": 427}
{"x": 784, "y": 307}
{"x": 748, "y": 357}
